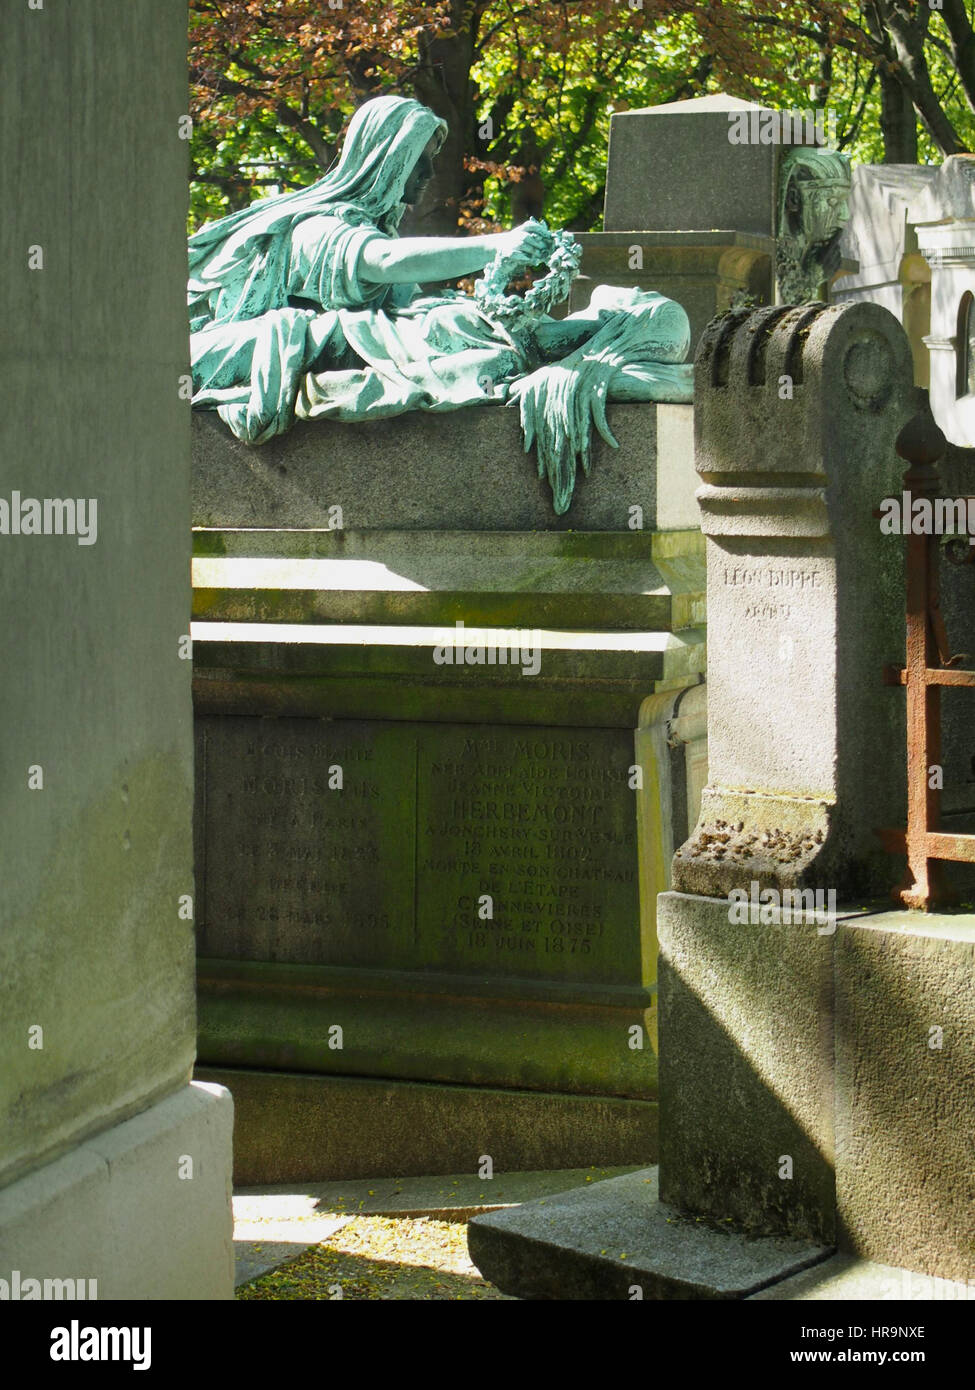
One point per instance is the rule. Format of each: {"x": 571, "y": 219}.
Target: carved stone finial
{"x": 921, "y": 442}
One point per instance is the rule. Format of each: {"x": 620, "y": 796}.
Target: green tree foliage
{"x": 528, "y": 89}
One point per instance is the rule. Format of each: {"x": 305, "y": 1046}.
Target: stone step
{"x": 847, "y": 1279}
{"x": 394, "y": 671}
{"x": 618, "y": 1240}
{"x": 630, "y": 581}
{"x": 292, "y": 1127}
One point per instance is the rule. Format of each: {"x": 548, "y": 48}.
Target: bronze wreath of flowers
{"x": 563, "y": 267}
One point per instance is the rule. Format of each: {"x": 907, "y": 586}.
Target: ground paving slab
{"x": 275, "y": 1224}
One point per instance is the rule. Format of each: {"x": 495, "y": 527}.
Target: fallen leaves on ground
{"x": 380, "y": 1257}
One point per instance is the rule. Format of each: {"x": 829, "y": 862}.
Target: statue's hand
{"x": 529, "y": 243}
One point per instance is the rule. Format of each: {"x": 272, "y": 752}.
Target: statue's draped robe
{"x": 298, "y": 331}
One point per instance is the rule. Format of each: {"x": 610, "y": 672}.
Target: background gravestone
{"x": 694, "y": 206}
{"x": 686, "y": 212}
{"x": 673, "y": 168}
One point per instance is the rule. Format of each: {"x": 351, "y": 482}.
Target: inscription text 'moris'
{"x": 571, "y": 750}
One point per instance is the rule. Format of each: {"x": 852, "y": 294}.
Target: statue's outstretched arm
{"x": 403, "y": 260}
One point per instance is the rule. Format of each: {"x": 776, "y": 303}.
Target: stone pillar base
{"x": 143, "y": 1209}
{"x": 749, "y": 1131}
{"x": 905, "y": 1091}
{"x": 616, "y": 1240}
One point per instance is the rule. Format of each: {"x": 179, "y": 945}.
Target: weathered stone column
{"x": 114, "y": 1167}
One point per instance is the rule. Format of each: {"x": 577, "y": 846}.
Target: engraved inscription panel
{"x": 390, "y": 870}
{"x": 542, "y": 822}
{"x": 771, "y": 624}
{"x": 294, "y": 866}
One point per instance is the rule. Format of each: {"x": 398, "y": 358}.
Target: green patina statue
{"x": 308, "y": 305}
{"x": 814, "y": 192}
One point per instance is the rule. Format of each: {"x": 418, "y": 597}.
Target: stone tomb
{"x": 910, "y": 246}
{"x": 817, "y": 1073}
{"x": 426, "y": 884}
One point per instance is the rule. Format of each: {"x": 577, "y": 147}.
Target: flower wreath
{"x": 563, "y": 267}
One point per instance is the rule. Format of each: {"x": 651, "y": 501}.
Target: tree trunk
{"x": 907, "y": 30}
{"x": 443, "y": 83}
{"x": 898, "y": 121}
{"x": 962, "y": 46}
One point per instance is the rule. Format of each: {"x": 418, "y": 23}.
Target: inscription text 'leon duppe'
{"x": 767, "y": 577}
{"x": 774, "y": 589}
